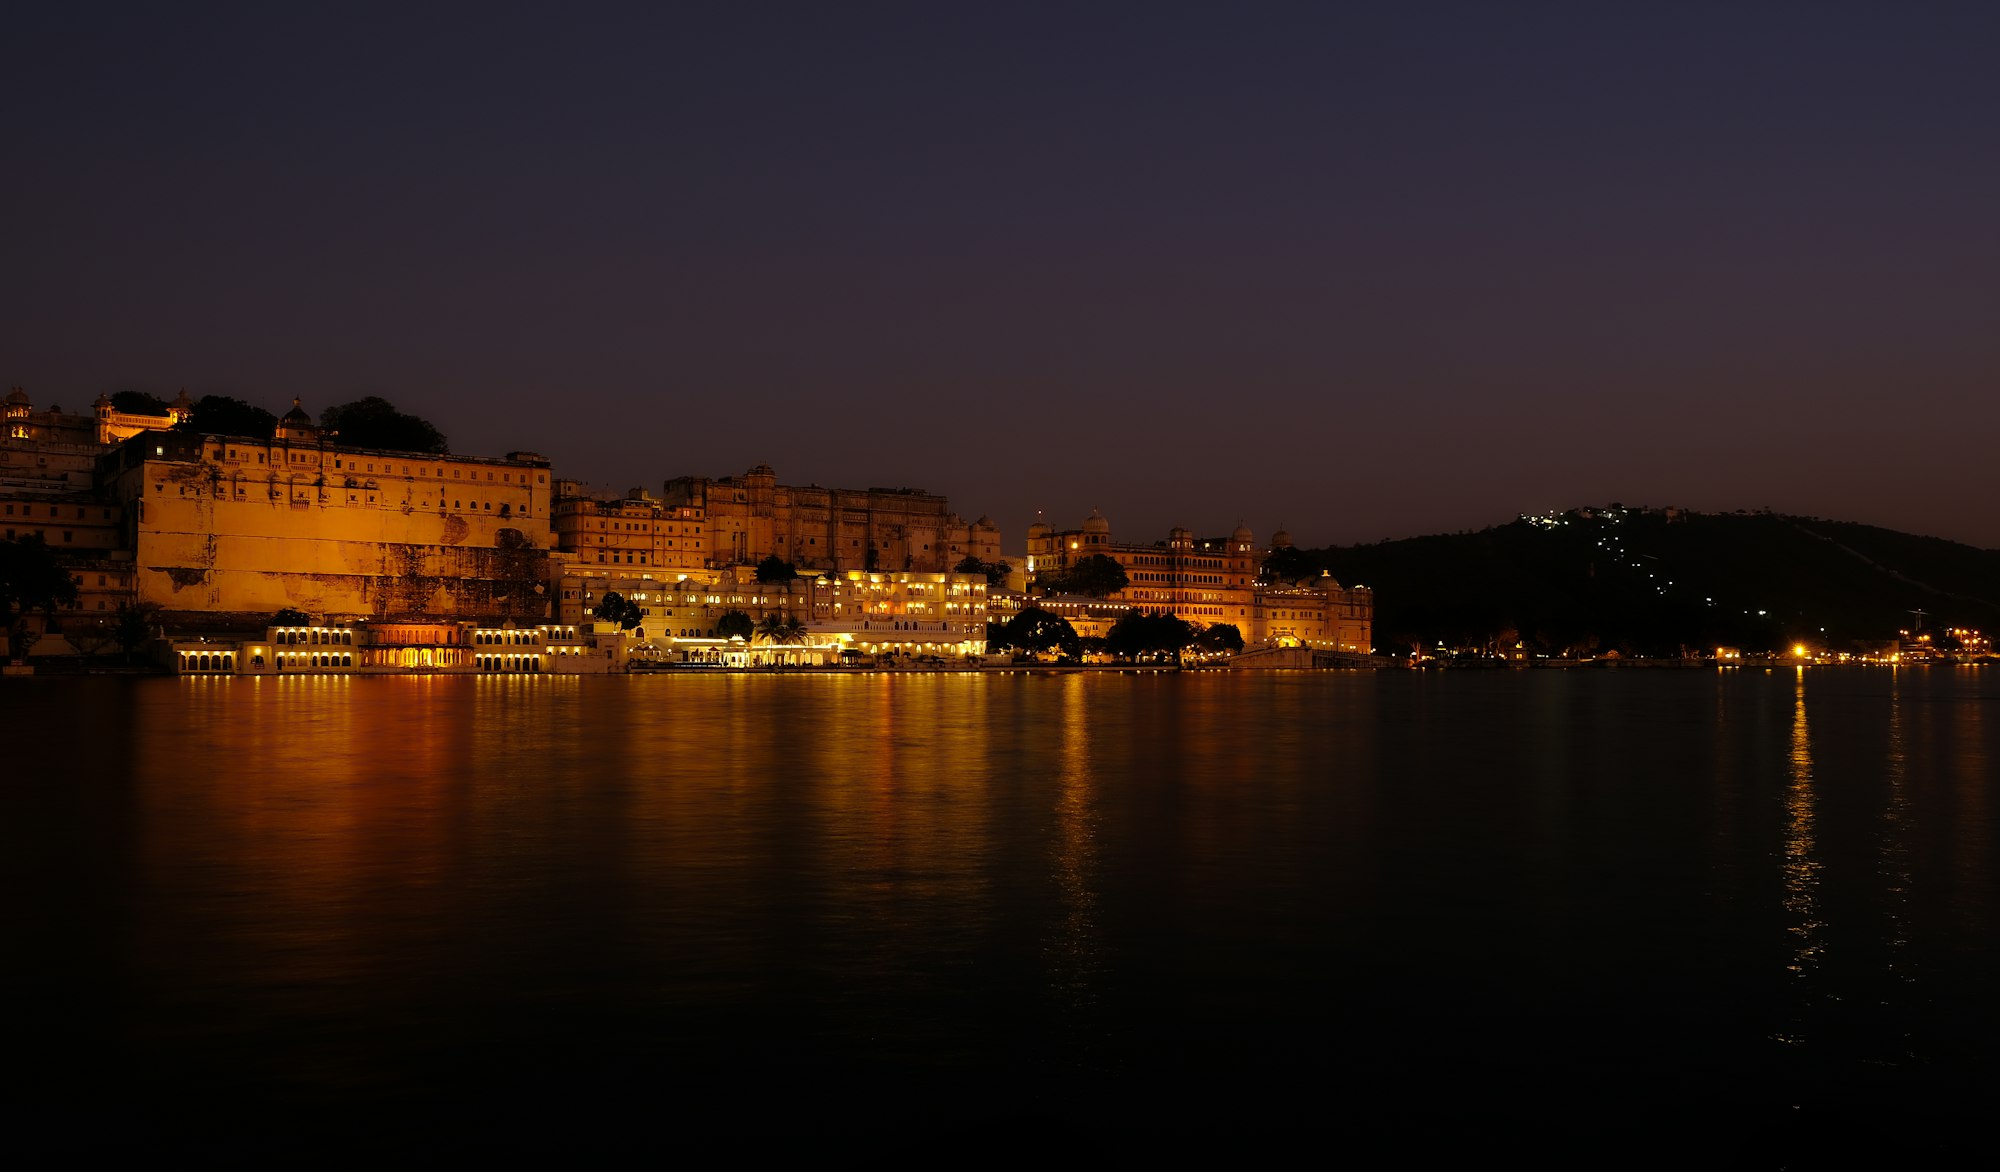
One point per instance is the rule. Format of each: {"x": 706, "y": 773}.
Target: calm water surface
{"x": 1747, "y": 916}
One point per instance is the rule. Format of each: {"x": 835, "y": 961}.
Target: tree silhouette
{"x": 1289, "y": 564}
{"x": 374, "y": 422}
{"x": 1097, "y": 576}
{"x": 222, "y": 415}
{"x": 616, "y": 608}
{"x": 30, "y": 580}
{"x": 134, "y": 625}
{"x": 1219, "y": 637}
{"x": 138, "y": 403}
{"x": 1035, "y": 629}
{"x": 1138, "y": 633}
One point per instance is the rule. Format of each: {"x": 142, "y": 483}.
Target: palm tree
{"x": 771, "y": 628}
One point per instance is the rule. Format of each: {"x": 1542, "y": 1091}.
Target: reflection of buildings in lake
{"x": 1801, "y": 860}
{"x": 1895, "y": 858}
{"x": 343, "y": 852}
{"x": 1074, "y": 947}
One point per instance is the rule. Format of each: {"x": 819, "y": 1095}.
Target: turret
{"x": 298, "y": 426}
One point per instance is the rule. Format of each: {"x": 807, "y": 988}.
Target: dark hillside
{"x": 1655, "y": 582}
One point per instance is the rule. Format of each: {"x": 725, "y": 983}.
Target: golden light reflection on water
{"x": 946, "y": 871}
{"x": 1802, "y": 866}
{"x": 1895, "y": 862}
{"x": 1973, "y": 785}
{"x": 1074, "y": 949}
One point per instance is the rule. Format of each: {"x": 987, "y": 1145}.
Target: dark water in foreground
{"x": 1591, "y": 917}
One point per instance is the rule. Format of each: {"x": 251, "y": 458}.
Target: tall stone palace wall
{"x": 236, "y": 524}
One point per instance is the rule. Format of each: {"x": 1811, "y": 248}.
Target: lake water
{"x": 1589, "y": 916}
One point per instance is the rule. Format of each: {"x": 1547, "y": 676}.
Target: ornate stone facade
{"x": 752, "y": 517}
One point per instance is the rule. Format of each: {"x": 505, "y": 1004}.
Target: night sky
{"x": 1365, "y": 271}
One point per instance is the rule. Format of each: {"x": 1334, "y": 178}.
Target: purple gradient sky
{"x": 1365, "y": 271}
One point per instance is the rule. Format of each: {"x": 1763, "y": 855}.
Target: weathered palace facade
{"x": 257, "y": 525}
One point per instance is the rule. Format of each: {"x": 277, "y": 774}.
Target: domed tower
{"x": 1096, "y": 533}
{"x": 1241, "y": 556}
{"x": 18, "y": 409}
{"x": 761, "y": 483}
{"x": 182, "y": 408}
{"x": 1041, "y": 548}
{"x": 983, "y": 539}
{"x": 297, "y": 426}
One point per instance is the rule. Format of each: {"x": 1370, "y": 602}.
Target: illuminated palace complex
{"x": 294, "y": 552}
{"x": 1206, "y": 580}
{"x": 909, "y": 615}
{"x": 637, "y": 532}
{"x": 752, "y": 517}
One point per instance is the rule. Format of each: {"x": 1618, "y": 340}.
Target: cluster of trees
{"x": 1159, "y": 635}
{"x": 374, "y": 422}
{"x": 616, "y": 608}
{"x": 1289, "y": 565}
{"x": 139, "y": 403}
{"x": 780, "y": 628}
{"x": 772, "y": 628}
{"x": 1148, "y": 635}
{"x": 1097, "y": 576}
{"x": 1136, "y": 635}
{"x": 996, "y": 572}
{"x": 370, "y": 422}
{"x": 1219, "y": 638}
{"x": 1035, "y": 630}
{"x": 776, "y": 569}
{"x": 30, "y": 580}
{"x": 133, "y": 625}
